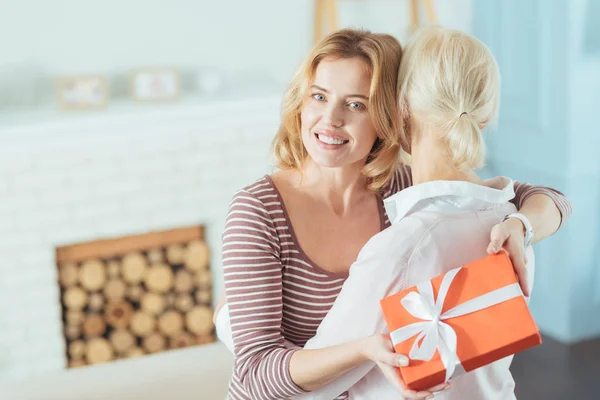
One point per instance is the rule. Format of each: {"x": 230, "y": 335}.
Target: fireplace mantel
{"x": 69, "y": 178}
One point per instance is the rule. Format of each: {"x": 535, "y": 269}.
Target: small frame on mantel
{"x": 82, "y": 92}
{"x": 155, "y": 84}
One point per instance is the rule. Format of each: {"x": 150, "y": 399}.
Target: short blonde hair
{"x": 381, "y": 54}
{"x": 451, "y": 79}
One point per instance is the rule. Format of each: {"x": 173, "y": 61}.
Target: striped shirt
{"x": 276, "y": 295}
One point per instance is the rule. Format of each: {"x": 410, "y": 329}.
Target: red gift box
{"x": 462, "y": 320}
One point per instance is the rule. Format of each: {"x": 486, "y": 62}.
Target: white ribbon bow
{"x": 438, "y": 335}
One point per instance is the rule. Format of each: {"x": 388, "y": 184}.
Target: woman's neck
{"x": 431, "y": 161}
{"x": 338, "y": 188}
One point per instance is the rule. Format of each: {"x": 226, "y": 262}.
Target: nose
{"x": 333, "y": 116}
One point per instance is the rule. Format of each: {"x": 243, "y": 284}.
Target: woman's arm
{"x": 313, "y": 369}
{"x": 368, "y": 349}
{"x": 546, "y": 208}
{"x": 253, "y": 289}
{"x": 266, "y": 367}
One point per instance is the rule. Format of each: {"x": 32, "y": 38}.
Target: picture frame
{"x": 155, "y": 84}
{"x": 82, "y": 92}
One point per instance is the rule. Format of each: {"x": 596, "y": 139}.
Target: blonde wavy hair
{"x": 451, "y": 79}
{"x": 381, "y": 54}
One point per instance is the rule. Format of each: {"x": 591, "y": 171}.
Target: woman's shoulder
{"x": 256, "y": 208}
{"x": 256, "y": 188}
{"x": 401, "y": 179}
{"x": 261, "y": 196}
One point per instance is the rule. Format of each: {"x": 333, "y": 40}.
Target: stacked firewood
{"x": 135, "y": 295}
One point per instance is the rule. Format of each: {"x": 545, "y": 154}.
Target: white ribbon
{"x": 435, "y": 334}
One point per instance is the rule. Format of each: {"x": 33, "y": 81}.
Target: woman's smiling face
{"x": 337, "y": 129}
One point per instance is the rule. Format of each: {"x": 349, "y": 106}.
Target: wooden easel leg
{"x": 414, "y": 15}
{"x": 430, "y": 12}
{"x": 332, "y": 15}
{"x": 318, "y": 20}
{"x": 325, "y": 12}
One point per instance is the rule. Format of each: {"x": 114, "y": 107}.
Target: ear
{"x": 483, "y": 125}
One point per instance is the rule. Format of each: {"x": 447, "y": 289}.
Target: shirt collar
{"x": 461, "y": 195}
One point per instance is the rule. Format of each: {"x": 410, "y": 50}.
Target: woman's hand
{"x": 378, "y": 348}
{"x": 510, "y": 236}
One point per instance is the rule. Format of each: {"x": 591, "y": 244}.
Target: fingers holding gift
{"x": 379, "y": 348}
{"x": 510, "y": 237}
{"x": 516, "y": 252}
{"x": 517, "y": 256}
{"x": 498, "y": 237}
{"x": 394, "y": 377}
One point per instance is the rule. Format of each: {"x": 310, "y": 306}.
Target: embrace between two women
{"x": 376, "y": 191}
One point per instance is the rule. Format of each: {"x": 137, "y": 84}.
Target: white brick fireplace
{"x": 78, "y": 177}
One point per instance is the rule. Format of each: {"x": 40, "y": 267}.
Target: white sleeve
{"x": 223, "y": 327}
{"x": 356, "y": 312}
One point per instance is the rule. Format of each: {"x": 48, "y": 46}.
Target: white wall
{"x": 73, "y": 36}
{"x": 583, "y": 171}
{"x": 271, "y": 36}
{"x": 548, "y": 135}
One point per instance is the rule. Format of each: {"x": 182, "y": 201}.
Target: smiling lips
{"x": 330, "y": 139}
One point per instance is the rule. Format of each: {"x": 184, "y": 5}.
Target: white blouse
{"x": 435, "y": 227}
